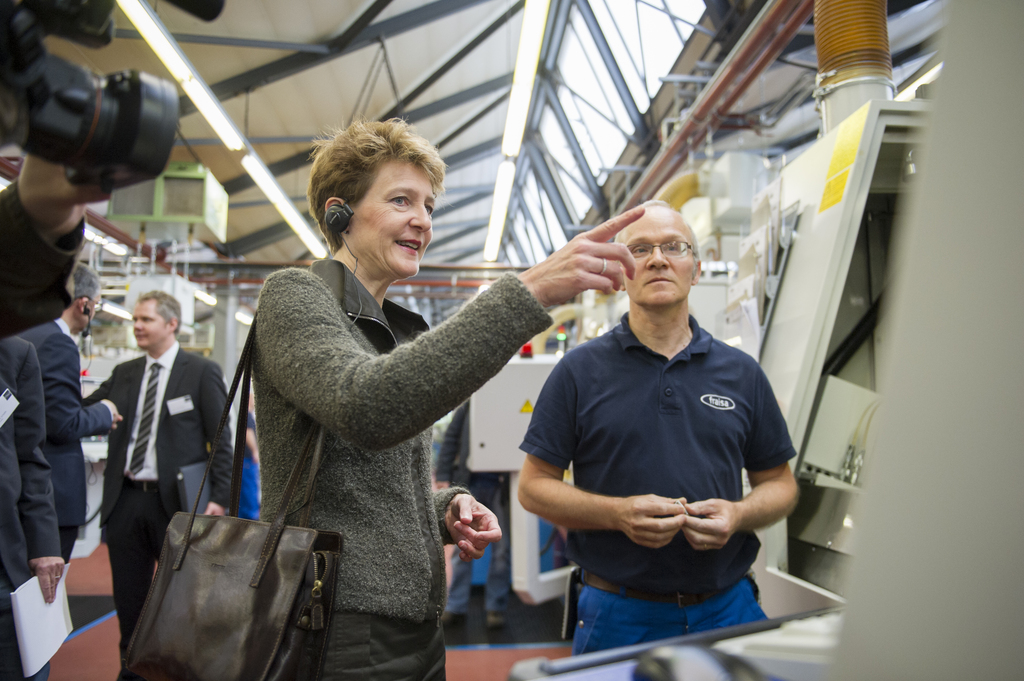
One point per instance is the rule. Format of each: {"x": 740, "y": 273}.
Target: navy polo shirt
{"x": 633, "y": 422}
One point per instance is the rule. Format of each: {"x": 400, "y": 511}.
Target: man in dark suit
{"x": 171, "y": 402}
{"x": 67, "y": 421}
{"x": 29, "y": 545}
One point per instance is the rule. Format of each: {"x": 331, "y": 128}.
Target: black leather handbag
{"x": 236, "y": 599}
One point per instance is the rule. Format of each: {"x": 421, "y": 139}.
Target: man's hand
{"x": 115, "y": 416}
{"x": 442, "y": 484}
{"x": 651, "y": 520}
{"x": 773, "y": 495}
{"x": 55, "y": 205}
{"x": 213, "y": 508}
{"x": 471, "y": 525}
{"x": 48, "y": 569}
{"x": 720, "y": 520}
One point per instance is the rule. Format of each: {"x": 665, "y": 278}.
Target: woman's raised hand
{"x": 589, "y": 261}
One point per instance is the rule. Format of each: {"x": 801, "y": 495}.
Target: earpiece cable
{"x": 354, "y": 270}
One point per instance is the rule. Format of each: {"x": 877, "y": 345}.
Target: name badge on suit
{"x": 8, "y": 403}
{"x": 180, "y": 405}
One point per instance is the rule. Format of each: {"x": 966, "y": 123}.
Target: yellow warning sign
{"x": 844, "y": 153}
{"x": 834, "y": 189}
{"x": 527, "y": 408}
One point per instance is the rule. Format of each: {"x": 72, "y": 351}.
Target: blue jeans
{"x": 487, "y": 489}
{"x": 10, "y": 657}
{"x": 608, "y": 620}
{"x": 249, "y": 499}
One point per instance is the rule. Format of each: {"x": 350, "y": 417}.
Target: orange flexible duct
{"x": 679, "y": 190}
{"x": 852, "y": 40}
{"x": 776, "y": 25}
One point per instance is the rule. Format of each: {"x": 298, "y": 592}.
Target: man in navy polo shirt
{"x": 658, "y": 420}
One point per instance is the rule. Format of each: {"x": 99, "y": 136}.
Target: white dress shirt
{"x": 166, "y": 361}
{"x": 64, "y": 327}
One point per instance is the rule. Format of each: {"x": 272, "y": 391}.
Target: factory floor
{"x": 474, "y": 653}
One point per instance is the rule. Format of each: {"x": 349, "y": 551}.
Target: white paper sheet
{"x": 750, "y": 329}
{"x": 42, "y": 627}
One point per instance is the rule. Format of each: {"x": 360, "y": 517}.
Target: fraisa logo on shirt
{"x": 718, "y": 402}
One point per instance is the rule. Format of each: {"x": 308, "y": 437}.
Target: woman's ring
{"x": 604, "y": 265}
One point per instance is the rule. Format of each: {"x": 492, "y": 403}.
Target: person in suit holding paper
{"x": 29, "y": 543}
{"x": 67, "y": 421}
{"x": 172, "y": 403}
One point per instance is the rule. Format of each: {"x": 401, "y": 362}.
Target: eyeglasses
{"x": 669, "y": 249}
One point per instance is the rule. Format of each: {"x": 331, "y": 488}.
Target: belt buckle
{"x": 686, "y": 600}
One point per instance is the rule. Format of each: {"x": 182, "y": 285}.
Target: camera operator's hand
{"x": 55, "y": 205}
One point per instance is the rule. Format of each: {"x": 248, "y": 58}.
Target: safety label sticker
{"x": 843, "y": 155}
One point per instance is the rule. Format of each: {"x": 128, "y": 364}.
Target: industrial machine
{"x": 823, "y": 343}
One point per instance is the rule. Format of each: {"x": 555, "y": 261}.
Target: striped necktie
{"x": 146, "y": 422}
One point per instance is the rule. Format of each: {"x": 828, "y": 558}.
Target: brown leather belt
{"x": 144, "y": 485}
{"x": 680, "y": 599}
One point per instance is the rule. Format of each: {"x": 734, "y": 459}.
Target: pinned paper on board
{"x": 740, "y": 329}
{"x": 765, "y": 211}
{"x": 527, "y": 408}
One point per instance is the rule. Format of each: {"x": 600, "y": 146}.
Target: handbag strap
{"x": 314, "y": 441}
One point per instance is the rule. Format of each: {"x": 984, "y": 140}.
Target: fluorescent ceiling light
{"x": 243, "y": 318}
{"x": 116, "y": 310}
{"x": 265, "y": 181}
{"x": 204, "y": 100}
{"x": 910, "y": 92}
{"x": 167, "y": 49}
{"x": 154, "y": 33}
{"x": 117, "y": 249}
{"x": 531, "y": 37}
{"x": 499, "y": 208}
{"x": 515, "y": 123}
{"x": 206, "y": 297}
{"x": 107, "y": 244}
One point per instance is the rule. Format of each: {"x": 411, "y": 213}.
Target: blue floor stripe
{"x": 90, "y": 625}
{"x": 510, "y": 646}
{"x": 477, "y": 646}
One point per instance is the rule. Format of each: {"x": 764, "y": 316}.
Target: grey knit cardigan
{"x": 312, "y": 364}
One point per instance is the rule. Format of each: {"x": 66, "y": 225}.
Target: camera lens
{"x": 111, "y": 130}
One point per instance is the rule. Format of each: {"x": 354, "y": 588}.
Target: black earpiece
{"x": 337, "y": 218}
{"x": 88, "y": 320}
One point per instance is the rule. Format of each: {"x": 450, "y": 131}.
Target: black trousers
{"x": 68, "y": 537}
{"x": 135, "y": 535}
{"x": 374, "y": 648}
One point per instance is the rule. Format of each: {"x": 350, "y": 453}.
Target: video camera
{"x": 112, "y": 130}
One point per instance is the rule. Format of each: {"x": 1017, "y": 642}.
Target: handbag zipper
{"x": 312, "y": 617}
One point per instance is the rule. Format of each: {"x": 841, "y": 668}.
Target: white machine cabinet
{"x": 501, "y": 410}
{"x": 498, "y": 418}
